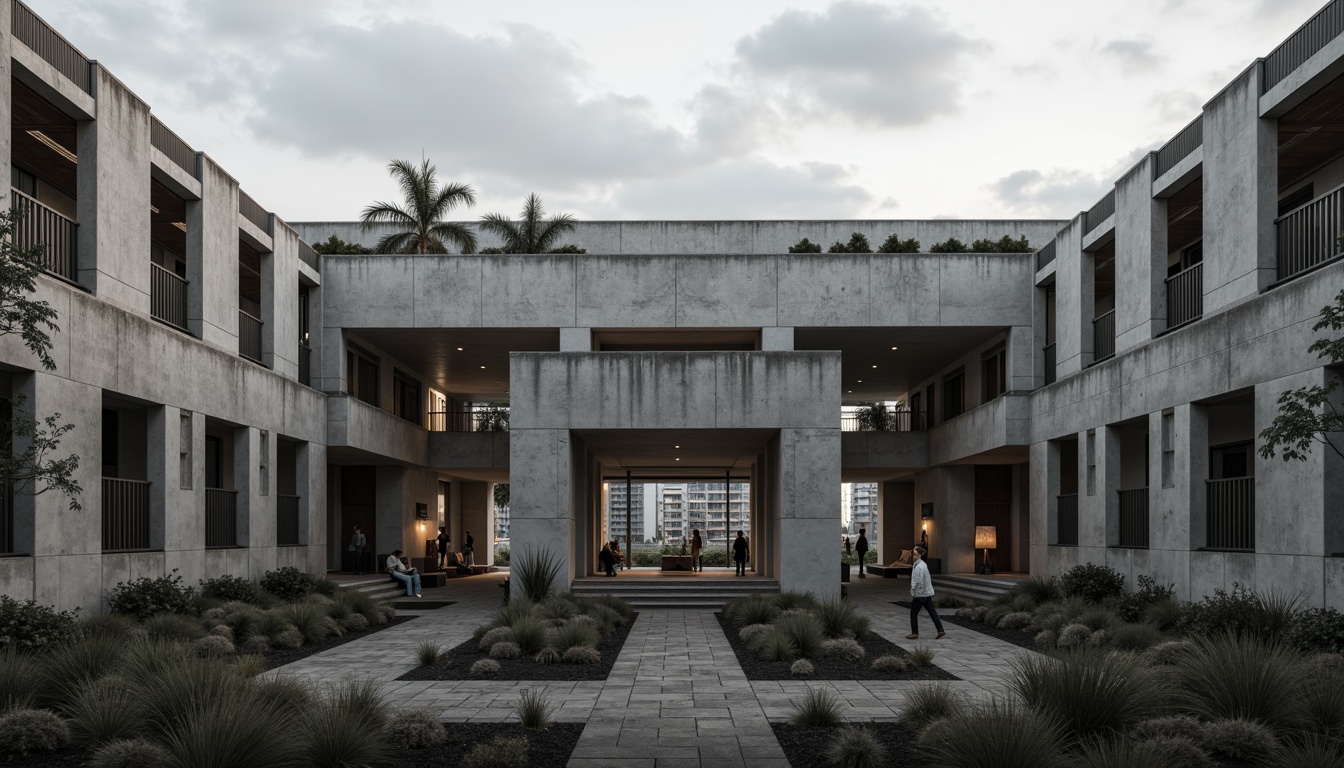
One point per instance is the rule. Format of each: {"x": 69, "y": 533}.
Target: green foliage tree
{"x": 805, "y": 246}
{"x": 950, "y": 245}
{"x": 874, "y": 417}
{"x": 894, "y": 244}
{"x": 1309, "y": 415}
{"x": 857, "y": 244}
{"x": 420, "y": 219}
{"x": 337, "y": 246}
{"x": 26, "y": 456}
{"x": 533, "y": 233}
{"x": 1004, "y": 244}
{"x": 501, "y": 494}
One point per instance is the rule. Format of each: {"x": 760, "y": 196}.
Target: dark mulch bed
{"x": 805, "y": 745}
{"x": 460, "y": 659}
{"x": 1016, "y": 637}
{"x": 545, "y": 749}
{"x": 833, "y": 669}
{"x": 64, "y": 758}
{"x": 278, "y": 657}
{"x": 421, "y": 605}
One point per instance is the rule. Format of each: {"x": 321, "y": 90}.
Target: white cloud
{"x": 1134, "y": 55}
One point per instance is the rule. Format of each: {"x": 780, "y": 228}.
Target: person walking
{"x": 740, "y": 552}
{"x": 921, "y": 595}
{"x": 444, "y": 541}
{"x": 696, "y": 545}
{"x": 357, "y": 544}
{"x": 408, "y": 576}
{"x": 468, "y": 549}
{"x": 846, "y": 545}
{"x": 861, "y": 548}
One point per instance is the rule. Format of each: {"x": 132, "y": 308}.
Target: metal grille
{"x": 308, "y": 256}
{"x": 221, "y": 518}
{"x": 1100, "y": 212}
{"x": 172, "y": 145}
{"x": 125, "y": 514}
{"x": 249, "y": 336}
{"x": 1185, "y": 296}
{"x": 1045, "y": 255}
{"x": 486, "y": 419}
{"x": 1134, "y": 518}
{"x": 1180, "y": 146}
{"x": 1309, "y": 236}
{"x": 1304, "y": 43}
{"x": 1066, "y": 512}
{"x": 896, "y": 421}
{"x": 253, "y": 212}
{"x": 46, "y": 42}
{"x": 1103, "y": 336}
{"x": 37, "y": 226}
{"x": 1231, "y": 513}
{"x": 167, "y": 297}
{"x": 287, "y": 521}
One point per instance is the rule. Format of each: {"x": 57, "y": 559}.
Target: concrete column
{"x": 256, "y": 513}
{"x": 113, "y": 181}
{"x": 900, "y": 525}
{"x": 576, "y": 339}
{"x": 212, "y": 259}
{"x": 808, "y": 517}
{"x": 1315, "y": 485}
{"x": 476, "y": 518}
{"x": 279, "y": 303}
{"x": 310, "y": 470}
{"x": 1073, "y": 300}
{"x": 164, "y": 465}
{"x": 184, "y": 494}
{"x": 1044, "y": 459}
{"x": 777, "y": 339}
{"x": 951, "y": 489}
{"x": 1241, "y": 168}
{"x": 1021, "y": 356}
{"x": 1140, "y": 257}
{"x": 393, "y": 521}
{"x": 6, "y": 83}
{"x": 1020, "y": 552}
{"x": 541, "y": 508}
{"x": 1108, "y": 483}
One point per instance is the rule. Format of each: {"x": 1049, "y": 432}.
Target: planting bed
{"x": 458, "y": 661}
{"x": 805, "y": 745}
{"x": 545, "y": 749}
{"x": 278, "y": 657}
{"x": 1014, "y": 636}
{"x": 834, "y": 669}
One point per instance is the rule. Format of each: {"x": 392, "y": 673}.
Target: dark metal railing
{"x": 287, "y": 521}
{"x": 253, "y": 212}
{"x": 167, "y": 297}
{"x": 1185, "y": 296}
{"x": 1103, "y": 336}
{"x": 221, "y": 517}
{"x": 1103, "y": 210}
{"x": 46, "y": 42}
{"x": 1134, "y": 518}
{"x": 125, "y": 514}
{"x": 890, "y": 421}
{"x": 7, "y": 543}
{"x": 491, "y": 419}
{"x": 172, "y": 145}
{"x": 305, "y": 365}
{"x": 1066, "y": 520}
{"x": 1231, "y": 513}
{"x": 249, "y": 336}
{"x": 37, "y": 226}
{"x": 1048, "y": 352}
{"x": 308, "y": 256}
{"x": 1181, "y": 145}
{"x": 1045, "y": 255}
{"x": 1304, "y": 43}
{"x": 1309, "y": 235}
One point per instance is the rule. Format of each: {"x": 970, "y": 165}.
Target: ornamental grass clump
{"x": 106, "y": 711}
{"x": 1228, "y": 677}
{"x": 855, "y": 748}
{"x": 922, "y": 656}
{"x": 534, "y": 574}
{"x": 1135, "y": 637}
{"x": 19, "y": 681}
{"x": 789, "y": 601}
{"x": 572, "y": 634}
{"x": 747, "y": 633}
{"x": 505, "y": 651}
{"x": 1015, "y": 620}
{"x": 499, "y": 752}
{"x": 1040, "y": 589}
{"x": 1109, "y": 753}
{"x": 309, "y": 619}
{"x": 925, "y": 704}
{"x": 890, "y": 663}
{"x": 530, "y": 634}
{"x": 173, "y": 626}
{"x": 496, "y": 635}
{"x": 804, "y": 631}
{"x": 581, "y": 654}
{"x": 818, "y": 707}
{"x": 839, "y": 619}
{"x": 802, "y": 668}
{"x": 773, "y": 646}
{"x": 1000, "y": 734}
{"x": 534, "y": 710}
{"x": 347, "y": 727}
{"x": 1087, "y": 693}
{"x": 428, "y": 653}
{"x": 1073, "y": 635}
{"x": 1314, "y": 751}
{"x": 1239, "y": 741}
{"x": 548, "y": 655}
{"x": 67, "y": 670}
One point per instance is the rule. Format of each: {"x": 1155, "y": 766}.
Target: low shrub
{"x": 974, "y": 613}
{"x": 499, "y": 752}
{"x": 484, "y": 668}
{"x": 415, "y": 729}
{"x": 1073, "y": 635}
{"x": 581, "y": 654}
{"x": 355, "y": 622}
{"x": 1099, "y": 639}
{"x": 805, "y": 631}
{"x": 130, "y": 753}
{"x": 1045, "y": 639}
{"x": 890, "y": 663}
{"x": 750, "y": 631}
{"x": 28, "y": 627}
{"x": 1164, "y": 614}
{"x": 1088, "y": 693}
{"x": 1167, "y": 653}
{"x": 1317, "y": 630}
{"x": 1097, "y": 617}
{"x": 788, "y": 601}
{"x": 1106, "y": 753}
{"x": 1135, "y": 637}
{"x": 288, "y": 638}
{"x": 1015, "y": 620}
{"x": 505, "y": 650}
{"x": 922, "y": 656}
{"x": 855, "y": 748}
{"x": 818, "y": 707}
{"x": 496, "y": 635}
{"x": 113, "y": 625}
{"x": 1179, "y": 751}
{"x": 1000, "y": 734}
{"x": 228, "y": 588}
{"x": 428, "y": 653}
{"x": 1229, "y": 677}
{"x": 925, "y": 704}
{"x": 173, "y": 626}
{"x": 288, "y": 583}
{"x": 1242, "y": 741}
{"x": 1093, "y": 583}
{"x": 996, "y": 613}
{"x": 222, "y": 630}
{"x": 145, "y": 597}
{"x": 25, "y": 731}
{"x": 1131, "y": 605}
{"x": 845, "y": 649}
{"x": 802, "y": 668}
{"x": 534, "y": 710}
{"x": 1170, "y": 726}
{"x": 1241, "y": 612}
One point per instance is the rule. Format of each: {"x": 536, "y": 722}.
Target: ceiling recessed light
{"x": 893, "y": 349}
{"x": 874, "y": 366}
{"x": 459, "y": 349}
{"x": 482, "y": 367}
{"x": 850, "y": 391}
{"x": 860, "y": 381}
{"x": 676, "y": 446}
{"x": 678, "y": 458}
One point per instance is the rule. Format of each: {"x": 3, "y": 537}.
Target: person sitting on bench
{"x": 408, "y": 576}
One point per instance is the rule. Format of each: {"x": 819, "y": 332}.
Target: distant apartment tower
{"x": 863, "y": 509}
{"x": 671, "y": 513}
{"x": 704, "y": 506}
{"x": 619, "y": 511}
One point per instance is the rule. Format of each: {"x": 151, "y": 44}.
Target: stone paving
{"x": 676, "y": 695}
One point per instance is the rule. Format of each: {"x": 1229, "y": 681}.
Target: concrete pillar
{"x": 1108, "y": 484}
{"x": 279, "y": 303}
{"x": 1140, "y": 257}
{"x": 1241, "y": 168}
{"x": 113, "y": 182}
{"x": 184, "y": 494}
{"x": 476, "y": 518}
{"x": 163, "y": 435}
{"x": 951, "y": 489}
{"x": 6, "y": 83}
{"x": 212, "y": 259}
{"x": 309, "y": 472}
{"x": 576, "y": 339}
{"x": 1020, "y": 548}
{"x": 808, "y": 517}
{"x": 900, "y": 525}
{"x": 777, "y": 339}
{"x": 1315, "y": 485}
{"x": 541, "y": 508}
{"x": 1073, "y": 300}
{"x": 1020, "y": 347}
{"x": 252, "y": 462}
{"x": 1043, "y": 460}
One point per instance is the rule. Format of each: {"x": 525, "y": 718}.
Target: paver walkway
{"x": 676, "y": 695}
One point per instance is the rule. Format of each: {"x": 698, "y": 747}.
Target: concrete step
{"x": 382, "y": 590}
{"x": 971, "y": 587}
{"x": 700, "y": 594}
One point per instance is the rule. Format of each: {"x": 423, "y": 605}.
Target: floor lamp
{"x": 986, "y": 538}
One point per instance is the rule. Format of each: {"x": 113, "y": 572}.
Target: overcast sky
{"x": 689, "y": 110}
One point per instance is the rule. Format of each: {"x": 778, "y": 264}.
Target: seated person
{"x": 607, "y": 560}
{"x": 616, "y": 553}
{"x": 408, "y": 576}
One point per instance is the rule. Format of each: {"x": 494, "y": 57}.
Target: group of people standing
{"x": 610, "y": 556}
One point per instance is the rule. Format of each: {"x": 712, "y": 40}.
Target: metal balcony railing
{"x": 7, "y": 544}
{"x": 305, "y": 365}
{"x": 1048, "y": 352}
{"x": 37, "y": 226}
{"x": 253, "y": 212}
{"x": 167, "y": 297}
{"x": 486, "y": 419}
{"x": 1134, "y": 518}
{"x": 287, "y": 521}
{"x": 172, "y": 145}
{"x": 1303, "y": 44}
{"x": 1045, "y": 255}
{"x": 309, "y": 256}
{"x": 1231, "y": 513}
{"x": 890, "y": 421}
{"x": 221, "y": 518}
{"x": 1309, "y": 236}
{"x": 1103, "y": 337}
{"x": 125, "y": 514}
{"x": 1181, "y": 145}
{"x": 249, "y": 336}
{"x": 1100, "y": 212}
{"x": 46, "y": 42}
{"x": 1066, "y": 519}
{"x": 1185, "y": 296}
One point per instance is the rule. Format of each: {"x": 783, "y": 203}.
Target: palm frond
{"x": 453, "y": 195}
{"x": 457, "y": 234}
{"x": 504, "y": 228}
{"x": 397, "y": 242}
{"x": 557, "y": 226}
{"x": 385, "y": 213}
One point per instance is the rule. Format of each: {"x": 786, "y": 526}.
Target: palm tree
{"x": 530, "y": 234}
{"x": 420, "y": 221}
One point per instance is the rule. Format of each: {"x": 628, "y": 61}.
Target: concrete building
{"x": 864, "y": 511}
{"x": 623, "y": 507}
{"x": 1096, "y": 401}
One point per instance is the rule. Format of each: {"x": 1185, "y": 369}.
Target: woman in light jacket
{"x": 921, "y": 594}
{"x": 696, "y": 546}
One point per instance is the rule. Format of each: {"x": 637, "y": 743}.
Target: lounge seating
{"x": 463, "y": 568}
{"x": 899, "y": 566}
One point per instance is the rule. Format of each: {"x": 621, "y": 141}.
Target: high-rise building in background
{"x": 686, "y": 506}
{"x": 618, "y": 511}
{"x": 863, "y": 509}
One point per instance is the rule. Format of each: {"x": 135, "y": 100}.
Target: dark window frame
{"x": 994, "y": 373}
{"x": 954, "y": 394}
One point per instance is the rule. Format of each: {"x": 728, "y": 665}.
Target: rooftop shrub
{"x": 805, "y": 246}
{"x": 894, "y": 244}
{"x": 950, "y": 245}
{"x": 858, "y": 243}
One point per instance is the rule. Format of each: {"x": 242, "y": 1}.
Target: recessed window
{"x": 954, "y": 394}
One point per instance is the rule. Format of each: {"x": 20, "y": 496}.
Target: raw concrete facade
{"x": 1097, "y": 401}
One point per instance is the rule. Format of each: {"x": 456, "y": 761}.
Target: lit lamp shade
{"x": 986, "y": 537}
